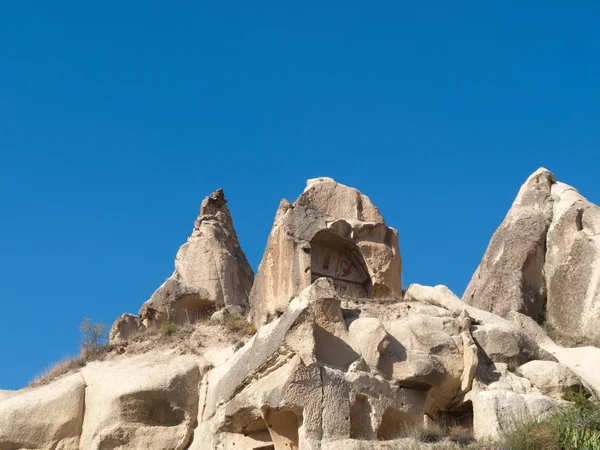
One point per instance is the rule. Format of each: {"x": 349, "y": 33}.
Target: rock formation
{"x": 211, "y": 270}
{"x": 334, "y": 231}
{"x": 338, "y": 358}
{"x": 543, "y": 261}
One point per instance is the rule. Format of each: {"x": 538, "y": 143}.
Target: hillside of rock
{"x": 324, "y": 349}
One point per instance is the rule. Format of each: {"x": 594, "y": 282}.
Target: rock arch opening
{"x": 340, "y": 260}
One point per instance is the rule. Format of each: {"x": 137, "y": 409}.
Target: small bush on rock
{"x": 93, "y": 336}
{"x": 168, "y": 328}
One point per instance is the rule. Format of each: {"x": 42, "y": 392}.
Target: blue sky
{"x": 118, "y": 118}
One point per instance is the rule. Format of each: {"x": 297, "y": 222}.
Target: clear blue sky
{"x": 117, "y": 118}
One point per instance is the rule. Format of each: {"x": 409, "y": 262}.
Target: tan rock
{"x": 501, "y": 340}
{"x": 371, "y": 338}
{"x": 124, "y": 328}
{"x": 497, "y": 411}
{"x": 330, "y": 231}
{"x": 145, "y": 401}
{"x": 211, "y": 270}
{"x": 551, "y": 378}
{"x": 47, "y": 417}
{"x": 510, "y": 276}
{"x": 573, "y": 264}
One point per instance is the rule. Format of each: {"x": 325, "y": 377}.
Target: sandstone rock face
{"x": 339, "y": 358}
{"x": 149, "y": 401}
{"x": 332, "y": 231}
{"x": 124, "y": 328}
{"x": 328, "y": 372}
{"x": 498, "y": 410}
{"x": 544, "y": 260}
{"x": 510, "y": 276}
{"x": 211, "y": 270}
{"x": 551, "y": 378}
{"x": 573, "y": 264}
{"x": 47, "y": 417}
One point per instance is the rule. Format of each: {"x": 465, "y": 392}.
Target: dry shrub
{"x": 431, "y": 432}
{"x": 235, "y": 323}
{"x": 460, "y": 434}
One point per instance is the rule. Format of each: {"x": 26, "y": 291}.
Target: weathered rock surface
{"x": 47, "y": 417}
{"x": 148, "y": 401}
{"x": 499, "y": 410}
{"x": 334, "y": 231}
{"x": 543, "y": 261}
{"x": 510, "y": 276}
{"x": 124, "y": 328}
{"x": 211, "y": 270}
{"x": 573, "y": 264}
{"x": 339, "y": 357}
{"x": 551, "y": 378}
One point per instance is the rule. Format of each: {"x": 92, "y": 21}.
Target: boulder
{"x": 551, "y": 378}
{"x": 124, "y": 328}
{"x": 510, "y": 276}
{"x": 333, "y": 231}
{"x": 500, "y": 340}
{"x": 305, "y": 378}
{"x": 497, "y": 411}
{"x": 145, "y": 401}
{"x": 572, "y": 265}
{"x": 47, "y": 417}
{"x": 211, "y": 270}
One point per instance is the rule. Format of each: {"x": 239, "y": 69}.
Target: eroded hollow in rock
{"x": 283, "y": 426}
{"x": 360, "y": 418}
{"x": 259, "y": 432}
{"x": 340, "y": 260}
{"x": 394, "y": 425}
{"x": 146, "y": 408}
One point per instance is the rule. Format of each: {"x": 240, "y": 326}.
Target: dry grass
{"x": 431, "y": 432}
{"x": 238, "y": 324}
{"x": 58, "y": 369}
{"x": 460, "y": 434}
{"x": 190, "y": 339}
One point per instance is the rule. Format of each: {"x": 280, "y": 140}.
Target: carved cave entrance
{"x": 340, "y": 259}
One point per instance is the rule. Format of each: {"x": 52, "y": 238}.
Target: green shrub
{"x": 168, "y": 328}
{"x": 573, "y": 427}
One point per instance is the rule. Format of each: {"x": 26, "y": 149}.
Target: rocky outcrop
{"x": 124, "y": 328}
{"x": 334, "y": 231}
{"x": 339, "y": 358}
{"x": 328, "y": 371}
{"x": 47, "y": 417}
{"x": 510, "y": 276}
{"x": 148, "y": 401}
{"x": 572, "y": 266}
{"x": 543, "y": 261}
{"x": 551, "y": 378}
{"x": 211, "y": 270}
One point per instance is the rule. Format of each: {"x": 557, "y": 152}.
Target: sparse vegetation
{"x": 460, "y": 434}
{"x": 236, "y": 323}
{"x": 168, "y": 328}
{"x": 58, "y": 369}
{"x": 93, "y": 336}
{"x": 428, "y": 433}
{"x": 567, "y": 340}
{"x": 573, "y": 427}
